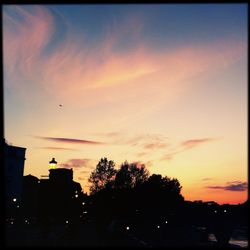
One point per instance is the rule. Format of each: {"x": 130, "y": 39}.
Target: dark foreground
{"x": 115, "y": 234}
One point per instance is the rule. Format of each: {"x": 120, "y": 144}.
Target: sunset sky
{"x": 163, "y": 85}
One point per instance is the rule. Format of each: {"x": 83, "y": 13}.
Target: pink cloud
{"x": 77, "y": 163}
{"x": 170, "y": 155}
{"x": 109, "y": 134}
{"x": 235, "y": 186}
{"x": 184, "y": 146}
{"x": 69, "y": 140}
{"x": 58, "y": 148}
{"x": 150, "y": 147}
{"x": 141, "y": 154}
{"x": 156, "y": 145}
{"x": 195, "y": 142}
{"x": 155, "y": 75}
{"x": 25, "y": 38}
{"x": 100, "y": 73}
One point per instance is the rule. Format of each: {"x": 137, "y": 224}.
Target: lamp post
{"x": 52, "y": 163}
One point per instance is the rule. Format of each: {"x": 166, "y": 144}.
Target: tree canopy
{"x": 104, "y": 173}
{"x": 131, "y": 188}
{"x": 130, "y": 175}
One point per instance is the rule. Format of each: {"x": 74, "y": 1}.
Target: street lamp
{"x": 52, "y": 163}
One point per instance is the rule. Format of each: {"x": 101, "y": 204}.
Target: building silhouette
{"x": 53, "y": 198}
{"x": 30, "y": 196}
{"x": 14, "y": 158}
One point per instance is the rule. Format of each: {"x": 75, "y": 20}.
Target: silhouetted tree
{"x": 130, "y": 192}
{"x": 131, "y": 175}
{"x": 103, "y": 174}
{"x": 113, "y": 192}
{"x": 156, "y": 181}
{"x": 160, "y": 194}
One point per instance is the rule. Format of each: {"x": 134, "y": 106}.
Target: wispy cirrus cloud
{"x": 188, "y": 144}
{"x": 155, "y": 146}
{"x": 69, "y": 140}
{"x": 109, "y": 134}
{"x": 142, "y": 154}
{"x": 78, "y": 163}
{"x": 143, "y": 144}
{"x": 236, "y": 186}
{"x": 170, "y": 155}
{"x": 151, "y": 146}
{"x": 58, "y": 148}
{"x": 207, "y": 179}
{"x": 146, "y": 141}
{"x": 26, "y": 34}
{"x": 94, "y": 69}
